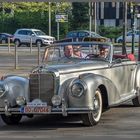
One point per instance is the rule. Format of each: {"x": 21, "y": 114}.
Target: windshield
{"x": 73, "y": 53}
{"x": 39, "y": 33}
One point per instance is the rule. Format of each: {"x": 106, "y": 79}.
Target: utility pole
{"x": 133, "y": 29}
{"x": 49, "y": 18}
{"x": 92, "y": 13}
{"x": 90, "y": 16}
{"x": 124, "y": 27}
{"x": 95, "y": 17}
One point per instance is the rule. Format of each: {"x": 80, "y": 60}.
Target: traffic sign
{"x": 61, "y": 18}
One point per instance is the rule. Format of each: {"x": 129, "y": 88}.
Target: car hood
{"x": 45, "y": 36}
{"x": 77, "y": 67}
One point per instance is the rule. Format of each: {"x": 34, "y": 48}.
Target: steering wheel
{"x": 90, "y": 56}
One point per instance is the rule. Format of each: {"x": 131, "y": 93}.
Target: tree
{"x": 80, "y": 19}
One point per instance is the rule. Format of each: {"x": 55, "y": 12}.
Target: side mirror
{"x": 32, "y": 35}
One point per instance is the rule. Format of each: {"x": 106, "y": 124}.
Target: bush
{"x": 110, "y": 32}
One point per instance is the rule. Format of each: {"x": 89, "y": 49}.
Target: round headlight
{"x": 3, "y": 89}
{"x": 56, "y": 100}
{"x": 20, "y": 100}
{"x": 77, "y": 89}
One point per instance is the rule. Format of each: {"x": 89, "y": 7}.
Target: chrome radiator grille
{"x": 42, "y": 87}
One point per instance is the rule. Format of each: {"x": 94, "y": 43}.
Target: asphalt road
{"x": 122, "y": 122}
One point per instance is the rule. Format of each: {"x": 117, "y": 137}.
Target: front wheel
{"x": 12, "y": 119}
{"x": 93, "y": 117}
{"x": 39, "y": 42}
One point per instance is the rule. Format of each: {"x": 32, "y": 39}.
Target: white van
{"x": 25, "y": 36}
{"x": 129, "y": 37}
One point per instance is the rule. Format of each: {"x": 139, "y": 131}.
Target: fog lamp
{"x": 3, "y": 89}
{"x": 56, "y": 100}
{"x": 20, "y": 100}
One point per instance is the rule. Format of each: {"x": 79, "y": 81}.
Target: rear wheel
{"x": 120, "y": 41}
{"x": 93, "y": 117}
{"x": 17, "y": 42}
{"x": 12, "y": 119}
{"x": 136, "y": 101}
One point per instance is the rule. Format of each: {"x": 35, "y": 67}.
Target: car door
{"x": 123, "y": 75}
{"x": 129, "y": 37}
{"x": 28, "y": 36}
{"x": 21, "y": 35}
{"x": 137, "y": 36}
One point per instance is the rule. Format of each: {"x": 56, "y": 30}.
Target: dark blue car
{"x": 4, "y": 38}
{"x": 79, "y": 35}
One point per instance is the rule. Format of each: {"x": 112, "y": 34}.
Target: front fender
{"x": 16, "y": 86}
{"x": 137, "y": 83}
{"x": 93, "y": 82}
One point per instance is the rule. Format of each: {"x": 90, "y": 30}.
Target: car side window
{"x": 22, "y": 32}
{"x": 137, "y": 32}
{"x": 129, "y": 34}
{"x": 72, "y": 34}
{"x": 29, "y": 33}
{"x": 83, "y": 34}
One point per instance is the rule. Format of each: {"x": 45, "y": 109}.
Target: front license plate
{"x": 37, "y": 109}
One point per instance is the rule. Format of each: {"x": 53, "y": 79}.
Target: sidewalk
{"x": 12, "y": 71}
{"x": 25, "y": 62}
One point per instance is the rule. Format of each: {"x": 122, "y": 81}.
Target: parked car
{"x": 24, "y": 36}
{"x": 70, "y": 85}
{"x": 79, "y": 35}
{"x": 129, "y": 37}
{"x": 4, "y": 38}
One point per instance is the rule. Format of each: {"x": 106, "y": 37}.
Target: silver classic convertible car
{"x": 84, "y": 78}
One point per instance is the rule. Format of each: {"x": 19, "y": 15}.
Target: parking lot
{"x": 22, "y": 64}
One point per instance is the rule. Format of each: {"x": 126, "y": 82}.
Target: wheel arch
{"x": 104, "y": 94}
{"x": 108, "y": 89}
{"x": 38, "y": 40}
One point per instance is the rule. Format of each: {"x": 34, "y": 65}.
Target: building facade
{"x": 111, "y": 14}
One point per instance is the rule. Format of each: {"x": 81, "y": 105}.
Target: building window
{"x": 110, "y": 22}
{"x": 113, "y": 4}
{"x": 106, "y": 4}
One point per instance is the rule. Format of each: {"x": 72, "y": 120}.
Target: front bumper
{"x": 46, "y": 42}
{"x": 64, "y": 110}
{"x": 52, "y": 111}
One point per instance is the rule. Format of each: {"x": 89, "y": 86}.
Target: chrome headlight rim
{"x": 81, "y": 88}
{"x": 3, "y": 89}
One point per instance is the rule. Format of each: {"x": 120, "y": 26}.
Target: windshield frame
{"x": 109, "y": 59}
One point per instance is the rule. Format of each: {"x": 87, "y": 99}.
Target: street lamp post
{"x": 133, "y": 30}
{"x": 49, "y": 18}
{"x": 92, "y": 12}
{"x": 124, "y": 27}
{"x": 90, "y": 16}
{"x": 95, "y": 24}
{"x": 138, "y": 16}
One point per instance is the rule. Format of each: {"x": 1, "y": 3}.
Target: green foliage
{"x": 16, "y": 15}
{"x": 110, "y": 32}
{"x": 80, "y": 19}
{"x": 32, "y": 15}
